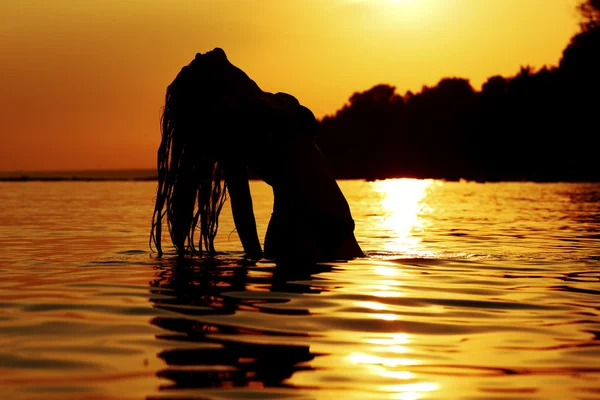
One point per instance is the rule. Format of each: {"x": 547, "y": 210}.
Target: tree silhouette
{"x": 536, "y": 125}
{"x": 590, "y": 11}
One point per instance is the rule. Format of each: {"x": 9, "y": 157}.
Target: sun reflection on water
{"x": 403, "y": 203}
{"x": 372, "y": 305}
{"x": 390, "y": 356}
{"x": 413, "y": 391}
{"x": 364, "y": 358}
{"x": 392, "y": 340}
{"x": 393, "y": 368}
{"x": 386, "y": 271}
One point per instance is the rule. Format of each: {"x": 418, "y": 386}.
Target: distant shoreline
{"x": 82, "y": 175}
{"x": 147, "y": 175}
{"x": 71, "y": 179}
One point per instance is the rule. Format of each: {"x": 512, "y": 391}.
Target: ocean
{"x": 468, "y": 291}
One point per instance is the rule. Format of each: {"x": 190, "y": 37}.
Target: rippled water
{"x": 470, "y": 291}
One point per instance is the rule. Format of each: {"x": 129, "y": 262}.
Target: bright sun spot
{"x": 405, "y": 13}
{"x": 402, "y": 205}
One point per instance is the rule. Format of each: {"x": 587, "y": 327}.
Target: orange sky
{"x": 82, "y": 82}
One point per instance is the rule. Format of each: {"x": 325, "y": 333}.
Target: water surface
{"x": 470, "y": 291}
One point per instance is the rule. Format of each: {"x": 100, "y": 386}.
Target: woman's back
{"x": 310, "y": 214}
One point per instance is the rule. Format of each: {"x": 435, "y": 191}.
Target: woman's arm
{"x": 236, "y": 176}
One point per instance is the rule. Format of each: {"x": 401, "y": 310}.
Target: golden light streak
{"x": 418, "y": 387}
{"x": 391, "y": 283}
{"x": 363, "y": 358}
{"x": 372, "y": 305}
{"x": 397, "y": 349}
{"x": 387, "y": 271}
{"x": 385, "y": 317}
{"x": 386, "y": 293}
{"x": 404, "y": 375}
{"x": 410, "y": 391}
{"x": 395, "y": 339}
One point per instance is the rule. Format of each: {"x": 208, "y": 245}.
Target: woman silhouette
{"x": 217, "y": 123}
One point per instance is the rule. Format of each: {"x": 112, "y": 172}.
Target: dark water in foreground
{"x": 470, "y": 291}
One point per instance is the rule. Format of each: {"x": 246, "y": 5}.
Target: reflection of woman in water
{"x": 217, "y": 123}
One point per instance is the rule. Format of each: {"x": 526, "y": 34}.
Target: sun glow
{"x": 407, "y": 13}
{"x": 404, "y": 2}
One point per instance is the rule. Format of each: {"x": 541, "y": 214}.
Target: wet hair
{"x": 191, "y": 186}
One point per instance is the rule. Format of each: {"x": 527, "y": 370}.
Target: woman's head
{"x": 211, "y": 75}
{"x": 191, "y": 188}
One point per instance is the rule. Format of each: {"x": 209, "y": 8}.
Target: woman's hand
{"x": 254, "y": 255}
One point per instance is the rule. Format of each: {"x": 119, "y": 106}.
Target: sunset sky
{"x": 82, "y": 82}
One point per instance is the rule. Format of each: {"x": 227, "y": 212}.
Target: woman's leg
{"x": 350, "y": 249}
{"x": 271, "y": 245}
{"x": 290, "y": 239}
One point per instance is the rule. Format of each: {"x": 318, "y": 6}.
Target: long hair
{"x": 191, "y": 185}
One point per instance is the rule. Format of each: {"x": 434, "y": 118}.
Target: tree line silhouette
{"x": 538, "y": 125}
